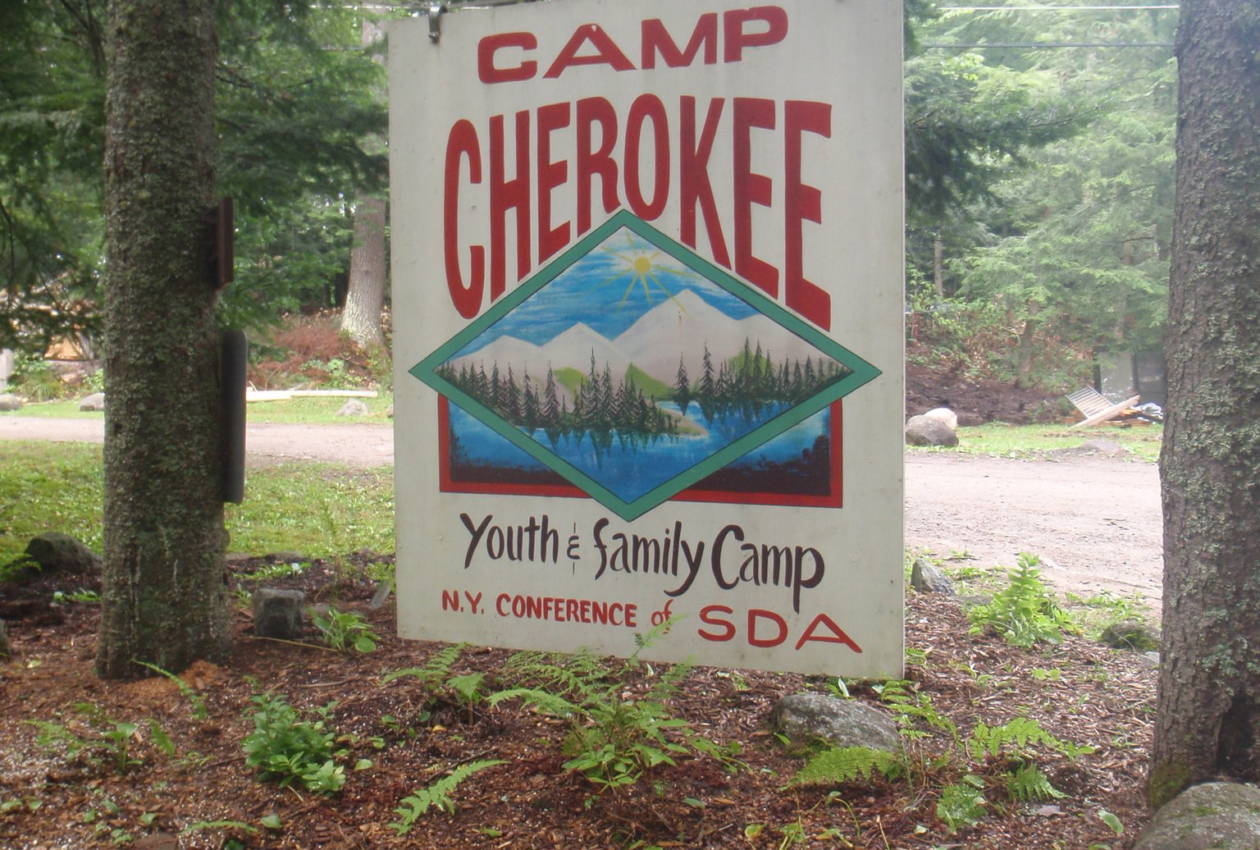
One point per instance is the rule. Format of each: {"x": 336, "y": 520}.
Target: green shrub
{"x": 1024, "y": 612}
{"x": 346, "y": 630}
{"x": 286, "y": 748}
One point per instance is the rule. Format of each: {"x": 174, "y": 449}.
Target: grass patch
{"x": 1000, "y": 439}
{"x": 297, "y": 411}
{"x": 48, "y": 487}
{"x": 317, "y": 510}
{"x": 65, "y": 408}
{"x": 319, "y": 411}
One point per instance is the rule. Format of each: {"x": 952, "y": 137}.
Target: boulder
{"x": 56, "y": 552}
{"x": 926, "y": 430}
{"x": 944, "y": 414}
{"x": 926, "y": 578}
{"x": 8, "y": 402}
{"x": 1130, "y": 634}
{"x": 840, "y": 722}
{"x": 94, "y": 402}
{"x": 353, "y": 407}
{"x": 1217, "y": 815}
{"x": 278, "y": 613}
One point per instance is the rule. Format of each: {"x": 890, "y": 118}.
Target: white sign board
{"x": 647, "y": 270}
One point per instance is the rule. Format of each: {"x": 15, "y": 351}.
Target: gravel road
{"x": 1094, "y": 521}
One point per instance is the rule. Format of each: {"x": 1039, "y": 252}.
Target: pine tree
{"x": 682, "y": 388}
{"x": 551, "y": 401}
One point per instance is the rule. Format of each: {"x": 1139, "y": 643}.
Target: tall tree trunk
{"x": 365, "y": 292}
{"x": 1208, "y": 722}
{"x": 938, "y": 266}
{"x": 164, "y": 597}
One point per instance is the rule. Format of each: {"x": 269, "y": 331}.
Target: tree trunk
{"x": 164, "y": 597}
{"x": 1208, "y": 722}
{"x": 938, "y": 266}
{"x": 365, "y": 291}
{"x": 365, "y": 294}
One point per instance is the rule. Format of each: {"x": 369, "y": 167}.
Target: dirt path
{"x": 1094, "y": 521}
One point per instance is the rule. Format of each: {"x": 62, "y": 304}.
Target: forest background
{"x": 1039, "y": 181}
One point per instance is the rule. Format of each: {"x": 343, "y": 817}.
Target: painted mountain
{"x": 632, "y": 368}
{"x": 678, "y": 329}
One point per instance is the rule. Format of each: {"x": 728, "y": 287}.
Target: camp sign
{"x": 647, "y": 292}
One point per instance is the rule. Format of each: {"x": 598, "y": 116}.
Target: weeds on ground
{"x": 1024, "y": 612}
{"x": 346, "y": 631}
{"x": 286, "y": 748}
{"x": 986, "y": 766}
{"x": 437, "y": 795}
{"x": 99, "y": 740}
{"x": 613, "y": 739}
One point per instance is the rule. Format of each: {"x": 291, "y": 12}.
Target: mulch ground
{"x": 204, "y": 796}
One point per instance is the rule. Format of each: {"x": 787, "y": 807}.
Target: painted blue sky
{"x": 604, "y": 290}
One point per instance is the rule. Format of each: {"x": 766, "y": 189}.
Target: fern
{"x": 572, "y": 675}
{"x": 848, "y": 764}
{"x": 437, "y": 795}
{"x": 544, "y": 701}
{"x": 1023, "y": 612}
{"x": 1028, "y": 784}
{"x": 1014, "y": 737}
{"x": 434, "y": 671}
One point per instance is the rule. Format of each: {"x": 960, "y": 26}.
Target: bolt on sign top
{"x": 648, "y": 301}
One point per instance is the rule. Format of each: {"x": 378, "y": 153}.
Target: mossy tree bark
{"x": 1208, "y": 722}
{"x": 164, "y": 598}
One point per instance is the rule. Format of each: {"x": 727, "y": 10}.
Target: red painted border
{"x": 834, "y": 499}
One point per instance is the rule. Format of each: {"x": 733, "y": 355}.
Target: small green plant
{"x": 86, "y": 597}
{"x": 346, "y": 631}
{"x": 962, "y": 803}
{"x": 996, "y": 759}
{"x": 1024, "y": 613}
{"x": 849, "y": 764}
{"x": 436, "y": 795}
{"x": 613, "y": 740}
{"x": 286, "y": 748}
{"x": 434, "y": 672}
{"x": 99, "y": 738}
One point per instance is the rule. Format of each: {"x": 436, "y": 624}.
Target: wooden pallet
{"x": 1096, "y": 407}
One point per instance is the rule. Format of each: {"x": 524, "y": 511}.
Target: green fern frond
{"x": 545, "y": 701}
{"x": 437, "y": 795}
{"x": 1014, "y": 737}
{"x": 848, "y": 764}
{"x": 433, "y": 671}
{"x": 1028, "y": 784}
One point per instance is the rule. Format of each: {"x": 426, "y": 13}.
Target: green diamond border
{"x": 862, "y": 371}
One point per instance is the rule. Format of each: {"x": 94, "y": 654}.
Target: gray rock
{"x": 383, "y": 591}
{"x": 926, "y": 578}
{"x": 1130, "y": 634}
{"x": 278, "y": 613}
{"x": 390, "y": 412}
{"x": 95, "y": 402}
{"x": 8, "y": 401}
{"x": 841, "y": 722}
{"x": 944, "y": 414}
{"x": 5, "y": 649}
{"x": 57, "y": 552}
{"x": 1215, "y": 816}
{"x": 929, "y": 431}
{"x": 353, "y": 407}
